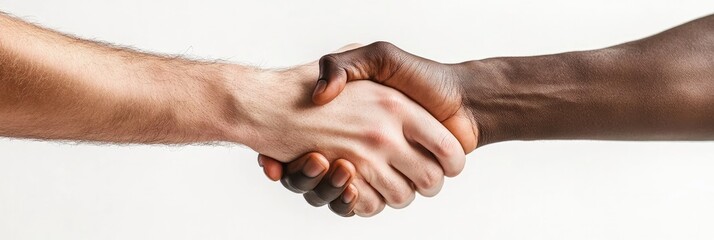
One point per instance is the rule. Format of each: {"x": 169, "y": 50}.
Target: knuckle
{"x": 365, "y": 168}
{"x": 392, "y": 103}
{"x": 447, "y": 146}
{"x": 379, "y": 136}
{"x": 383, "y": 46}
{"x": 370, "y": 209}
{"x": 397, "y": 197}
{"x": 329, "y": 59}
{"x": 389, "y": 57}
{"x": 402, "y": 199}
{"x": 450, "y": 150}
{"x": 432, "y": 178}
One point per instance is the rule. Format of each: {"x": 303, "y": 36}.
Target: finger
{"x": 331, "y": 81}
{"x": 463, "y": 129}
{"x": 304, "y": 173}
{"x": 424, "y": 129}
{"x": 422, "y": 169}
{"x": 392, "y": 185}
{"x": 344, "y": 205}
{"x": 332, "y": 186}
{"x": 337, "y": 69}
{"x": 369, "y": 202}
{"x": 331, "y": 71}
{"x": 272, "y": 168}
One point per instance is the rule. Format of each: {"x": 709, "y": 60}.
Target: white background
{"x": 516, "y": 190}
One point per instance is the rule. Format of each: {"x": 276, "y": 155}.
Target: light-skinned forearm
{"x": 54, "y": 86}
{"x": 657, "y": 88}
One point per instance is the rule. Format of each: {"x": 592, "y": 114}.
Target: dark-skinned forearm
{"x": 657, "y": 88}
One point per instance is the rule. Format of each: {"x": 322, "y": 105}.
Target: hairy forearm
{"x": 657, "y": 88}
{"x": 54, "y": 86}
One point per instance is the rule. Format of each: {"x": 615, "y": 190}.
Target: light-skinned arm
{"x": 55, "y": 86}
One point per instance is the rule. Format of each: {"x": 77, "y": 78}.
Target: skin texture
{"x": 58, "y": 87}
{"x": 656, "y": 88}
{"x": 377, "y": 142}
{"x": 316, "y": 189}
{"x": 389, "y": 132}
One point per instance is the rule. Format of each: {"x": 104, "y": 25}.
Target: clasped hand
{"x": 370, "y": 146}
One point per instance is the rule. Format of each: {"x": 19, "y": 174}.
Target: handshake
{"x": 398, "y": 126}
{"x": 366, "y": 126}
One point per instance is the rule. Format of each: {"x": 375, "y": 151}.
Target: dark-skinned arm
{"x": 656, "y": 88}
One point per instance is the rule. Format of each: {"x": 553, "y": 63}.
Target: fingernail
{"x": 320, "y": 87}
{"x": 348, "y": 197}
{"x": 340, "y": 177}
{"x": 312, "y": 169}
{"x": 260, "y": 161}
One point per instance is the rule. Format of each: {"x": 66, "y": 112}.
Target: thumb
{"x": 361, "y": 63}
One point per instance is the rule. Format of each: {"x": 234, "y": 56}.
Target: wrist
{"x": 259, "y": 101}
{"x": 483, "y": 84}
{"x": 214, "y": 103}
{"x": 531, "y": 98}
{"x": 241, "y": 95}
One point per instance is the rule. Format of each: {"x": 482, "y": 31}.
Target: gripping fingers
{"x": 333, "y": 185}
{"x": 344, "y": 205}
{"x": 392, "y": 185}
{"x": 417, "y": 164}
{"x": 305, "y": 173}
{"x": 425, "y": 130}
{"x": 369, "y": 202}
